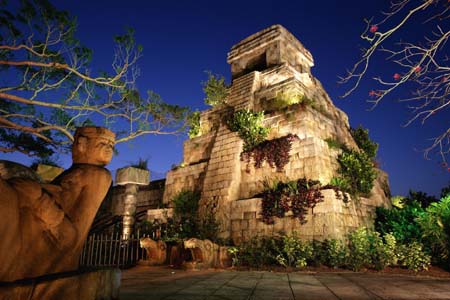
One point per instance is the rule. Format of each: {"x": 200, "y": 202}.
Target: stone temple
{"x": 266, "y": 64}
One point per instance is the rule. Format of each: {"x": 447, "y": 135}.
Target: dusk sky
{"x": 183, "y": 39}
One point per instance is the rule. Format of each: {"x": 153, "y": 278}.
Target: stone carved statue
{"x": 43, "y": 226}
{"x": 205, "y": 254}
{"x": 156, "y": 251}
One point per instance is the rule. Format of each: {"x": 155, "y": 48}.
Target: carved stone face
{"x": 93, "y": 145}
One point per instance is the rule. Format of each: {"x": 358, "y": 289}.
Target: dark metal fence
{"x": 111, "y": 250}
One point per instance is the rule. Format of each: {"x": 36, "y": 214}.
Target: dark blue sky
{"x": 182, "y": 39}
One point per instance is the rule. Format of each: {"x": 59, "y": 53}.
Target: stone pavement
{"x": 154, "y": 283}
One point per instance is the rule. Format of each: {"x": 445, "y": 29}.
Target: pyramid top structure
{"x": 267, "y": 48}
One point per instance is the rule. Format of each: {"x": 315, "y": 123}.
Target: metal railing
{"x": 111, "y": 250}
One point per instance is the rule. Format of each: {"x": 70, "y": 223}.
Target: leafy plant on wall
{"x": 296, "y": 196}
{"x": 215, "y": 89}
{"x": 249, "y": 126}
{"x": 356, "y": 167}
{"x": 275, "y": 152}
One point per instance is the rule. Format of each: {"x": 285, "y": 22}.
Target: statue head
{"x": 93, "y": 145}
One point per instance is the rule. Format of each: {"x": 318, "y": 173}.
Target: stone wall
{"x": 263, "y": 67}
{"x": 149, "y": 196}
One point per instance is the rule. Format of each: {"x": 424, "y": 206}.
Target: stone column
{"x": 131, "y": 178}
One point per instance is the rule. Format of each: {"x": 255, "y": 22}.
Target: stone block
{"x": 131, "y": 175}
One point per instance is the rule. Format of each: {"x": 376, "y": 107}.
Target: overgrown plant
{"x": 194, "y": 125}
{"x": 295, "y": 196}
{"x": 362, "y": 139}
{"x": 249, "y": 126}
{"x": 275, "y": 152}
{"x": 434, "y": 226}
{"x": 357, "y": 169}
{"x": 215, "y": 89}
{"x": 288, "y": 98}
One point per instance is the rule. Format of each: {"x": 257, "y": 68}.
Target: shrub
{"x": 185, "y": 213}
{"x": 401, "y": 222}
{"x": 335, "y": 253}
{"x": 194, "y": 124}
{"x": 413, "y": 257}
{"x": 334, "y": 144}
{"x": 215, "y": 89}
{"x": 288, "y": 98}
{"x": 357, "y": 169}
{"x": 293, "y": 252}
{"x": 249, "y": 126}
{"x": 361, "y": 137}
{"x": 359, "y": 246}
{"x": 435, "y": 228}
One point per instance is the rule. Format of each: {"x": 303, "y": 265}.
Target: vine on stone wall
{"x": 295, "y": 196}
{"x": 275, "y": 152}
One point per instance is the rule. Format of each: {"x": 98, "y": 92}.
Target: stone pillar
{"x": 131, "y": 178}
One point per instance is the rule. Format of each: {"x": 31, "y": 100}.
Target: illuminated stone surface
{"x": 43, "y": 226}
{"x": 265, "y": 65}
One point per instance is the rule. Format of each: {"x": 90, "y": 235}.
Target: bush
{"x": 359, "y": 246}
{"x": 434, "y": 225}
{"x": 215, "y": 89}
{"x": 362, "y": 139}
{"x": 293, "y": 252}
{"x": 401, "y": 222}
{"x": 413, "y": 257}
{"x": 357, "y": 169}
{"x": 194, "y": 124}
{"x": 249, "y": 126}
{"x": 334, "y": 253}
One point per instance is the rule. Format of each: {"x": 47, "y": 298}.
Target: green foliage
{"x": 445, "y": 191}
{"x": 398, "y": 201}
{"x": 234, "y": 251}
{"x": 340, "y": 182}
{"x": 419, "y": 197}
{"x": 194, "y": 125}
{"x": 335, "y": 144}
{"x": 186, "y": 212}
{"x": 215, "y": 89}
{"x": 356, "y": 168}
{"x": 249, "y": 126}
{"x": 288, "y": 98}
{"x": 359, "y": 245}
{"x": 257, "y": 252}
{"x": 336, "y": 253}
{"x": 293, "y": 252}
{"x": 413, "y": 257}
{"x": 361, "y": 137}
{"x": 357, "y": 172}
{"x": 434, "y": 225}
{"x": 401, "y": 222}
{"x": 49, "y": 86}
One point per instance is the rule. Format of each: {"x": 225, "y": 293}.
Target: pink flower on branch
{"x": 397, "y": 76}
{"x": 375, "y": 94}
{"x": 373, "y": 28}
{"x": 417, "y": 69}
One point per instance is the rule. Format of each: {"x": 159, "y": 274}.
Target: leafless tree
{"x": 423, "y": 65}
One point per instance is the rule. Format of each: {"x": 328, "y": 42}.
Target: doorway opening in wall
{"x": 257, "y": 63}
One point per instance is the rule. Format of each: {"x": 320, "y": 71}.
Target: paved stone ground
{"x": 160, "y": 283}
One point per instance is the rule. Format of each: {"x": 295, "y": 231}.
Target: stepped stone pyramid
{"x": 264, "y": 65}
